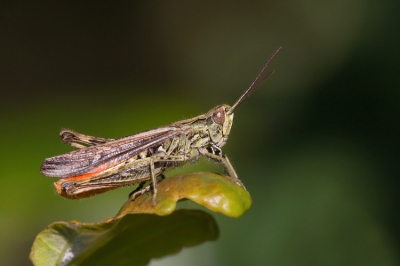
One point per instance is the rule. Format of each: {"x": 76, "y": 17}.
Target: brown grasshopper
{"x": 104, "y": 164}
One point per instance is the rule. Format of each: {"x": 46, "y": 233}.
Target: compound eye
{"x": 219, "y": 116}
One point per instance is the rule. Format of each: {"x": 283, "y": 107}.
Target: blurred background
{"x": 317, "y": 146}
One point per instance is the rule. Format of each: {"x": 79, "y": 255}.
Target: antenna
{"x": 256, "y": 83}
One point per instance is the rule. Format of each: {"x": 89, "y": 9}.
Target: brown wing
{"x": 102, "y": 156}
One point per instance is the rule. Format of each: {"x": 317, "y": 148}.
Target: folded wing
{"x": 102, "y": 156}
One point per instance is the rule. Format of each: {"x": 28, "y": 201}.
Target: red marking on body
{"x": 87, "y": 193}
{"x": 89, "y": 174}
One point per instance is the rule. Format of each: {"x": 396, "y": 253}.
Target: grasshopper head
{"x": 219, "y": 123}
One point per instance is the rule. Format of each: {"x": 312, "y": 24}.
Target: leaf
{"x": 131, "y": 240}
{"x": 135, "y": 235}
{"x": 215, "y": 192}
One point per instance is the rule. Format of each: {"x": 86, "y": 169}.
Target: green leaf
{"x": 215, "y": 192}
{"x": 132, "y": 240}
{"x": 135, "y": 235}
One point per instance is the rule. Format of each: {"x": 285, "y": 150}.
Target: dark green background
{"x": 317, "y": 145}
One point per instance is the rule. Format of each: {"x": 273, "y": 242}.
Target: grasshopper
{"x": 102, "y": 164}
